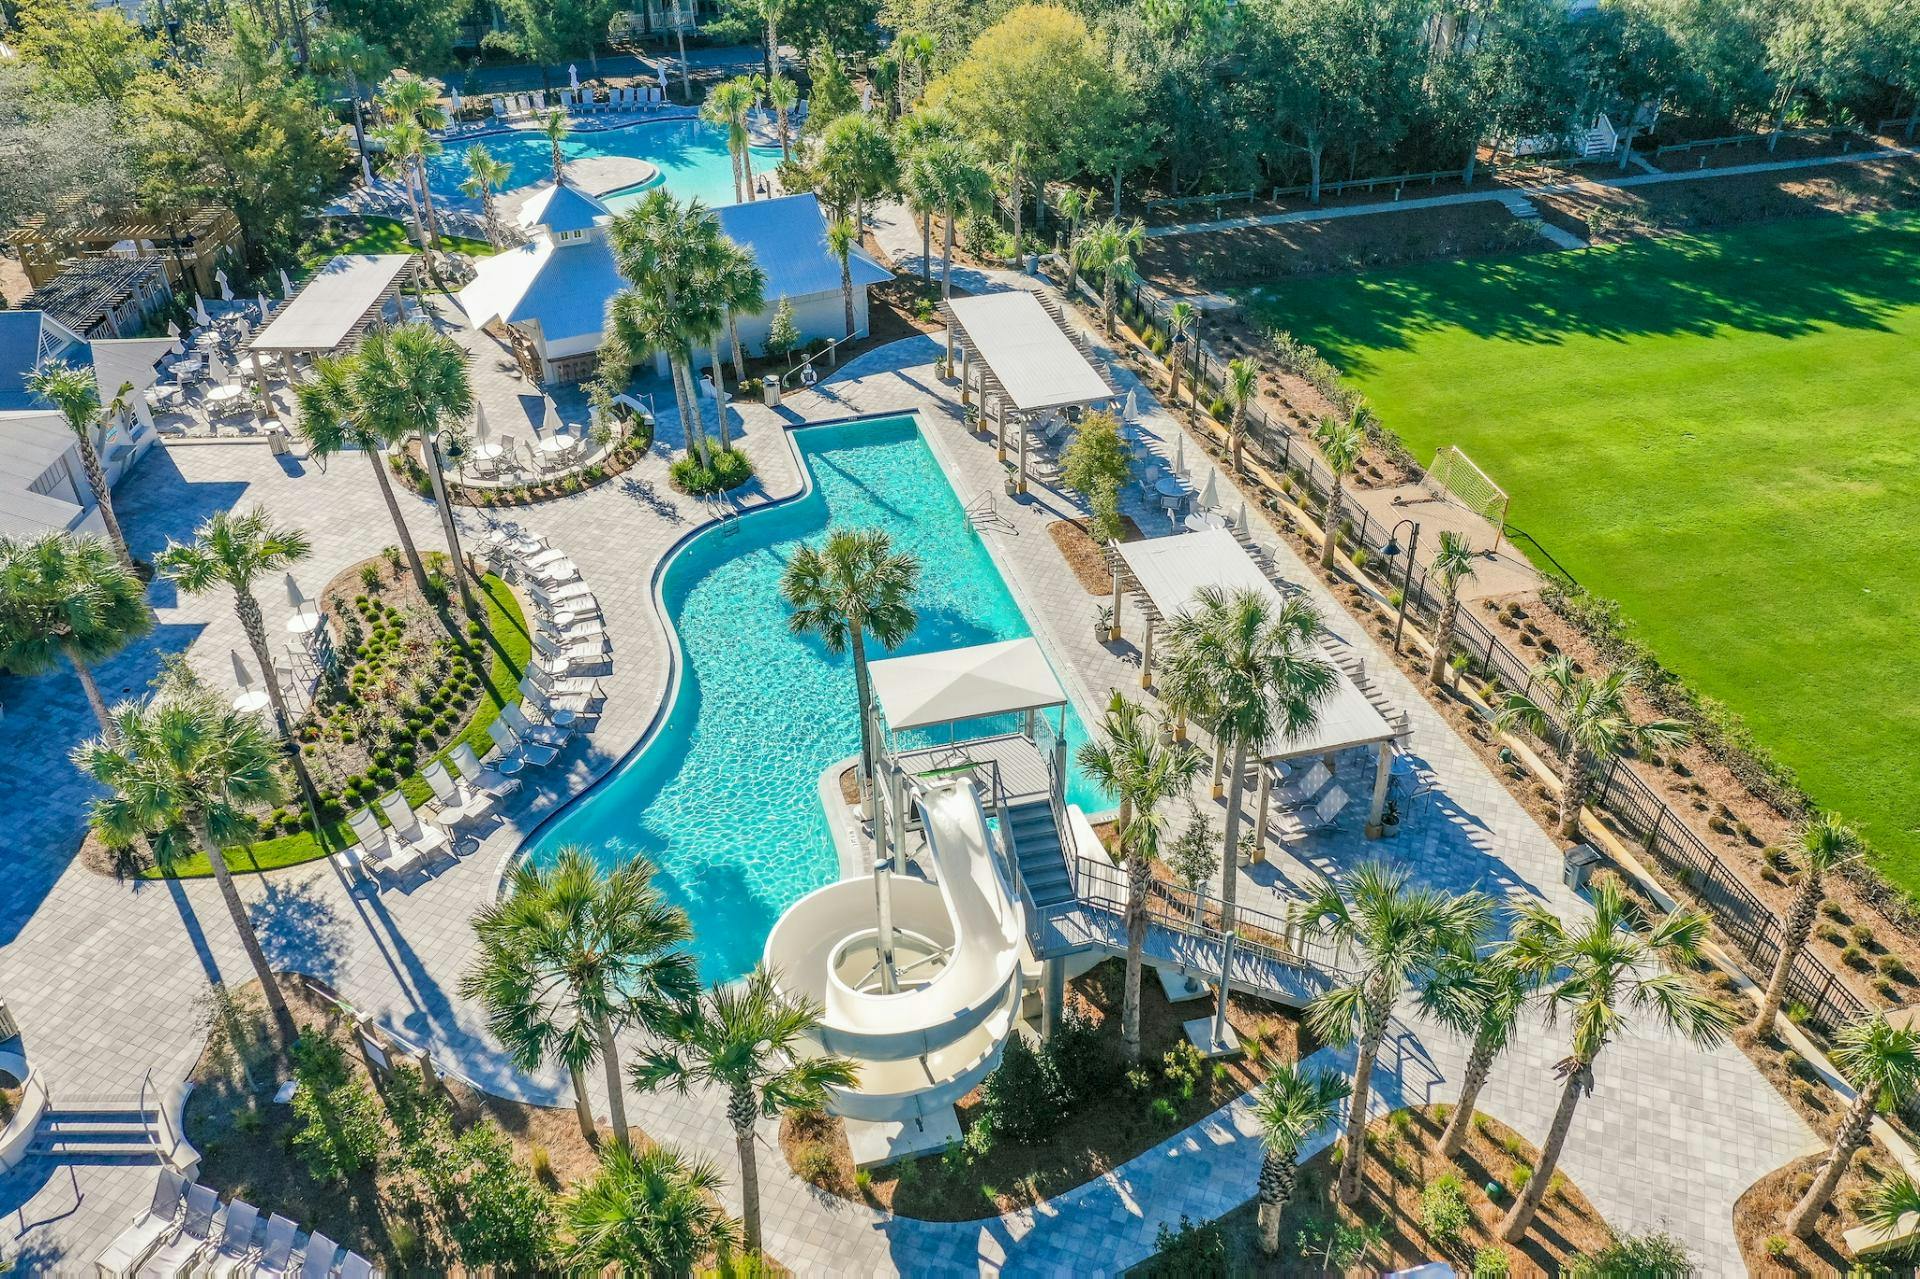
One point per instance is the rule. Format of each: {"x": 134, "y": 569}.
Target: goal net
{"x": 1454, "y": 477}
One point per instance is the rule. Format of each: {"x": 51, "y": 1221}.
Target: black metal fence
{"x": 1822, "y": 998}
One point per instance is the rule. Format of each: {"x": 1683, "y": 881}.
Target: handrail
{"x": 166, "y": 1123}
{"x": 829, "y": 349}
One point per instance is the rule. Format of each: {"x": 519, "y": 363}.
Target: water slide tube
{"x": 957, "y": 952}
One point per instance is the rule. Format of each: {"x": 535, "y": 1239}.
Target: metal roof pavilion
{"x": 1036, "y": 362}
{"x": 336, "y": 304}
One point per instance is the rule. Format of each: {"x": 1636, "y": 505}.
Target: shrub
{"x": 1854, "y": 957}
{"x": 1655, "y": 1253}
{"x": 1194, "y": 1251}
{"x": 1778, "y": 1246}
{"x": 1491, "y": 1262}
{"x": 370, "y": 576}
{"x": 1443, "y": 1208}
{"x": 1831, "y": 935}
{"x": 1891, "y": 966}
{"x": 1080, "y": 1065}
{"x": 1016, "y": 1099}
{"x": 340, "y": 1129}
{"x": 497, "y": 1214}
{"x": 1522, "y": 1176}
{"x": 730, "y": 469}
{"x": 1163, "y": 1112}
{"x": 1218, "y": 408}
{"x": 813, "y": 1162}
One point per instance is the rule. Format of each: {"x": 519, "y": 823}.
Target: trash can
{"x": 1580, "y": 861}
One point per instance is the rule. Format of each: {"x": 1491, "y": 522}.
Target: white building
{"x": 551, "y": 293}
{"x": 42, "y": 484}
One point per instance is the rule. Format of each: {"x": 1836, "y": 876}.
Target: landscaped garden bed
{"x": 1415, "y": 1206}
{"x": 1085, "y": 556}
{"x": 1768, "y": 1249}
{"x": 1098, "y": 1113}
{"x": 618, "y": 457}
{"x": 412, "y": 681}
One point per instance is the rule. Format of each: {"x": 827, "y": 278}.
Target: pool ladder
{"x": 982, "y": 512}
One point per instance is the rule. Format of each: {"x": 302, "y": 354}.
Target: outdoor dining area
{"x": 552, "y": 445}
{"x": 1308, "y": 782}
{"x": 306, "y": 654}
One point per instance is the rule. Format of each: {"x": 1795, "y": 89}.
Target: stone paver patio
{"x": 105, "y": 978}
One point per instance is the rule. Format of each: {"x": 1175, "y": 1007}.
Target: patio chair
{"x": 559, "y": 598}
{"x": 585, "y": 686}
{"x": 558, "y": 709}
{"x": 579, "y": 628}
{"x": 355, "y": 1266}
{"x": 424, "y": 837}
{"x": 512, "y": 744}
{"x": 144, "y": 1231}
{"x": 316, "y": 1259}
{"x": 577, "y": 609}
{"x": 236, "y": 1240}
{"x": 1298, "y": 792}
{"x": 459, "y": 804}
{"x": 538, "y": 557}
{"x": 528, "y": 731}
{"x": 183, "y": 1249}
{"x": 556, "y": 572}
{"x": 473, "y": 773}
{"x": 375, "y": 848}
{"x": 276, "y": 1254}
{"x": 1322, "y": 816}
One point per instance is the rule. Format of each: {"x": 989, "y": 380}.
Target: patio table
{"x": 1173, "y": 486}
{"x": 254, "y": 699}
{"x": 303, "y": 623}
{"x": 222, "y": 396}
{"x": 188, "y": 367}
{"x": 560, "y": 446}
{"x": 490, "y": 451}
{"x": 1200, "y": 521}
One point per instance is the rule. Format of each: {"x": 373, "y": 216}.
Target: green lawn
{"x": 1721, "y": 432}
{"x": 387, "y": 235}
{"x": 511, "y": 644}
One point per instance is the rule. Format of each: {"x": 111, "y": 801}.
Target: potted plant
{"x": 1390, "y": 819}
{"x": 1102, "y": 622}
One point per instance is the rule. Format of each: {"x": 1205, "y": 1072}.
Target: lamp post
{"x": 1391, "y": 549}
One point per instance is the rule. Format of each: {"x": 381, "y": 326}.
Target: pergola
{"x": 338, "y": 303}
{"x": 1170, "y": 572}
{"x": 1023, "y": 357}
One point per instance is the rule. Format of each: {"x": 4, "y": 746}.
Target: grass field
{"x": 1721, "y": 432}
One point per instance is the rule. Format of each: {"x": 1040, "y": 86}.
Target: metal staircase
{"x": 1037, "y": 851}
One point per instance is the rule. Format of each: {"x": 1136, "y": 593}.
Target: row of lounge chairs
{"x": 518, "y": 106}
{"x": 185, "y": 1230}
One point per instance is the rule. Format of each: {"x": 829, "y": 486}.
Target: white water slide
{"x": 957, "y": 948}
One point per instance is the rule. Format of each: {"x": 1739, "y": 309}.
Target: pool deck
{"x": 107, "y": 979}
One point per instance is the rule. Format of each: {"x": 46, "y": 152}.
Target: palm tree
{"x": 1073, "y": 207}
{"x": 842, "y": 235}
{"x": 670, "y": 251}
{"x": 404, "y": 141}
{"x": 1591, "y": 717}
{"x": 236, "y": 551}
{"x": 1134, "y": 765}
{"x": 1243, "y": 383}
{"x": 68, "y": 597}
{"x": 332, "y": 419}
{"x": 1340, "y": 441}
{"x": 1397, "y": 935}
{"x": 1247, "y": 672}
{"x": 771, "y": 11}
{"x": 958, "y": 183}
{"x": 1481, "y": 996}
{"x": 1289, "y": 1108}
{"x": 414, "y": 105}
{"x": 649, "y": 1213}
{"x": 1181, "y": 317}
{"x": 855, "y": 584}
{"x": 412, "y": 380}
{"x": 1825, "y": 843}
{"x": 923, "y": 199}
{"x": 1882, "y": 1062}
{"x": 726, "y": 107}
{"x": 1452, "y": 565}
{"x": 1596, "y": 973}
{"x": 568, "y": 956}
{"x": 783, "y": 95}
{"x": 644, "y": 323}
{"x": 741, "y": 287}
{"x": 486, "y": 176}
{"x": 183, "y": 759}
{"x": 75, "y": 392}
{"x": 1109, "y": 252}
{"x": 1890, "y": 1203}
{"x": 556, "y": 128}
{"x": 747, "y": 1038}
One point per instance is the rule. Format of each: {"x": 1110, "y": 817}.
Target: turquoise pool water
{"x": 691, "y": 156}
{"x": 724, "y": 798}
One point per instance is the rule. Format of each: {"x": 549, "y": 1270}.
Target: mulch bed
{"x": 1759, "y": 1218}
{"x": 1087, "y": 1143}
{"x": 1401, "y": 1163}
{"x": 1086, "y": 557}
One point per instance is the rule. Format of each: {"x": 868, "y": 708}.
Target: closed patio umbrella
{"x": 1180, "y": 452}
{"x": 1240, "y": 524}
{"x": 266, "y": 308}
{"x": 1132, "y": 413}
{"x": 573, "y": 80}
{"x": 1210, "y": 495}
{"x": 226, "y": 289}
{"x": 662, "y": 68}
{"x": 200, "y": 310}
{"x": 286, "y": 284}
{"x": 216, "y": 367}
{"x": 479, "y": 423}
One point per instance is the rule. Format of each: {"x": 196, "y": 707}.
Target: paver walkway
{"x": 106, "y": 978}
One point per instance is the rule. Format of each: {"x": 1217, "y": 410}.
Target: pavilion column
{"x": 999, "y": 426}
{"x": 1219, "y": 765}
{"x": 260, "y": 380}
{"x": 966, "y": 377}
{"x": 1180, "y": 726}
{"x": 1380, "y": 778}
{"x": 1113, "y": 628}
{"x": 949, "y": 343}
{"x": 1146, "y": 656}
{"x": 1260, "y": 819}
{"x": 1022, "y": 486}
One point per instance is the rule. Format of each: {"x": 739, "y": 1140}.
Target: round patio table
{"x": 1200, "y": 521}
{"x": 508, "y": 765}
{"x": 489, "y": 452}
{"x": 558, "y": 445}
{"x": 220, "y": 396}
{"x": 254, "y": 699}
{"x": 1173, "y": 486}
{"x": 303, "y": 623}
{"x": 560, "y": 717}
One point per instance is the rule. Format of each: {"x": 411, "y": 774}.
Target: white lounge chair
{"x": 146, "y": 1229}
{"x": 1298, "y": 792}
{"x": 276, "y": 1254}
{"x": 558, "y": 709}
{"x": 528, "y": 731}
{"x": 576, "y": 629}
{"x": 512, "y": 746}
{"x": 474, "y": 773}
{"x": 379, "y": 852}
{"x": 316, "y": 1259}
{"x": 1324, "y": 814}
{"x": 355, "y": 1266}
{"x": 460, "y": 804}
{"x": 539, "y": 557}
{"x": 422, "y": 837}
{"x": 236, "y": 1240}
{"x": 554, "y": 688}
{"x": 555, "y": 572}
{"x": 184, "y": 1247}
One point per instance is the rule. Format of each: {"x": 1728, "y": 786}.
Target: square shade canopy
{"x": 964, "y": 683}
{"x": 1033, "y": 358}
{"x": 334, "y": 303}
{"x": 1172, "y": 571}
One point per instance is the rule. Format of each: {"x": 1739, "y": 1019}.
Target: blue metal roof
{"x": 788, "y": 237}
{"x": 562, "y": 208}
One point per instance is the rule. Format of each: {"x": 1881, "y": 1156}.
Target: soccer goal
{"x": 1453, "y": 477}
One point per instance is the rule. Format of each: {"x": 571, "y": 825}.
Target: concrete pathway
{"x": 107, "y": 979}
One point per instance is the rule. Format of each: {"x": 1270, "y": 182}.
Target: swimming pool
{"x": 691, "y": 156}
{"x": 724, "y": 797}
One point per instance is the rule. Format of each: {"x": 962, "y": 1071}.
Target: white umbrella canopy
{"x": 479, "y": 422}
{"x": 456, "y": 100}
{"x": 573, "y": 80}
{"x": 662, "y": 68}
{"x": 216, "y": 368}
{"x": 226, "y": 289}
{"x": 1210, "y": 495}
{"x": 286, "y": 284}
{"x": 1180, "y": 452}
{"x": 266, "y": 308}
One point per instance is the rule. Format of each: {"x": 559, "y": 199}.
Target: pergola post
{"x": 1113, "y": 628}
{"x": 1146, "y": 656}
{"x": 1180, "y": 726}
{"x": 1022, "y": 486}
{"x": 999, "y": 427}
{"x": 1381, "y": 776}
{"x": 1260, "y": 819}
{"x": 1219, "y": 765}
{"x": 966, "y": 377}
{"x": 260, "y": 380}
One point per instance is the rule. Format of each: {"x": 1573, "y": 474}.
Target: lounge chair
{"x": 183, "y": 1249}
{"x": 423, "y": 837}
{"x": 460, "y": 804}
{"x": 557, "y": 687}
{"x": 576, "y": 629}
{"x": 555, "y": 709}
{"x": 1298, "y": 792}
{"x": 528, "y": 731}
{"x": 1324, "y": 814}
{"x": 355, "y": 1266}
{"x": 236, "y": 1240}
{"x": 512, "y": 746}
{"x": 379, "y": 852}
{"x": 540, "y": 557}
{"x": 566, "y": 596}
{"x": 316, "y": 1260}
{"x": 474, "y": 773}
{"x": 147, "y": 1228}
{"x": 555, "y": 572}
{"x": 276, "y": 1254}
